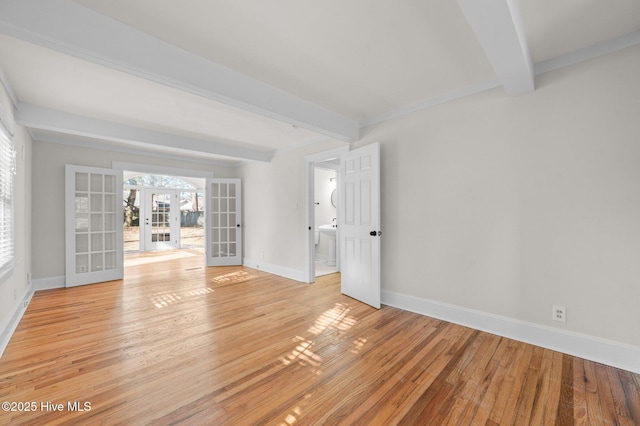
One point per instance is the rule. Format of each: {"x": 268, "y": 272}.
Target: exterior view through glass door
{"x": 163, "y": 212}
{"x": 161, "y": 219}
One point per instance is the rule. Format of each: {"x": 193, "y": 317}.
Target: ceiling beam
{"x": 37, "y": 117}
{"x": 497, "y": 26}
{"x": 67, "y": 27}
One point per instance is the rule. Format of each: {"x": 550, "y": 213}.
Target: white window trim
{"x": 7, "y": 196}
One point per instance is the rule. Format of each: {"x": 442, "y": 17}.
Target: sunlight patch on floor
{"x": 335, "y": 318}
{"x": 293, "y": 417}
{"x": 303, "y": 354}
{"x": 165, "y": 298}
{"x": 358, "y": 344}
{"x": 232, "y": 277}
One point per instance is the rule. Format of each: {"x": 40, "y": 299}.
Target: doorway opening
{"x": 325, "y": 257}
{"x": 321, "y": 208}
{"x": 163, "y": 212}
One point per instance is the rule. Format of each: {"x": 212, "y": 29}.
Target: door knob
{"x": 373, "y": 233}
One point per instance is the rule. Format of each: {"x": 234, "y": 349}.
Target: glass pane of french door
{"x": 160, "y": 217}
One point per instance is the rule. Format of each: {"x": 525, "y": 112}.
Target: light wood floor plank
{"x": 178, "y": 343}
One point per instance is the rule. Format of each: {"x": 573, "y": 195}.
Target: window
{"x": 7, "y": 172}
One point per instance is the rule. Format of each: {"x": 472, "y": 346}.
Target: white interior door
{"x": 94, "y": 217}
{"x": 161, "y": 214}
{"x": 359, "y": 224}
{"x": 223, "y": 236}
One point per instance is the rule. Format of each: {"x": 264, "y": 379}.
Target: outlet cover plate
{"x": 559, "y": 313}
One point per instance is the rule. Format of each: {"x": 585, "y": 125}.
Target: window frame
{"x": 7, "y": 202}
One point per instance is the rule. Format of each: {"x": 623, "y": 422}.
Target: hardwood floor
{"x": 178, "y": 343}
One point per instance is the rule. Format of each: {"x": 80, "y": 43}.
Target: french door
{"x": 93, "y": 225}
{"x": 161, "y": 215}
{"x": 359, "y": 224}
{"x": 223, "y": 236}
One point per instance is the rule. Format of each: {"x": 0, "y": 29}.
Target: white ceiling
{"x": 239, "y": 80}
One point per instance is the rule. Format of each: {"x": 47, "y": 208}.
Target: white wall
{"x": 509, "y": 205}
{"x": 14, "y": 287}
{"x": 49, "y": 160}
{"x": 503, "y": 205}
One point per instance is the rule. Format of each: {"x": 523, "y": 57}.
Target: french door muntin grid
{"x": 95, "y": 222}
{"x": 223, "y": 219}
{"x": 161, "y": 217}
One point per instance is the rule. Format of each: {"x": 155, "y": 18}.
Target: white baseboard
{"x": 615, "y": 354}
{"x": 10, "y": 327}
{"x": 48, "y": 283}
{"x": 294, "y": 274}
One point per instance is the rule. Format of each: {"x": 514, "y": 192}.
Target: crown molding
{"x": 588, "y": 53}
{"x": 428, "y": 103}
{"x": 562, "y": 61}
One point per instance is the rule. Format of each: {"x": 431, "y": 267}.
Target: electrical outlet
{"x": 559, "y": 313}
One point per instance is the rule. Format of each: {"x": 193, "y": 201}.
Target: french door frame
{"x": 223, "y": 234}
{"x": 93, "y": 225}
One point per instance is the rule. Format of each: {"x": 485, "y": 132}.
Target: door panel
{"x": 93, "y": 232}
{"x": 360, "y": 224}
{"x": 161, "y": 219}
{"x": 223, "y": 227}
